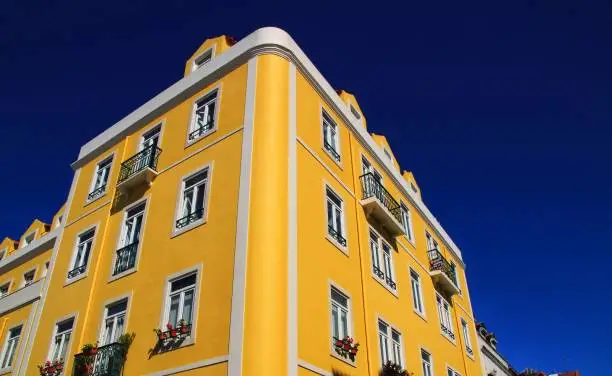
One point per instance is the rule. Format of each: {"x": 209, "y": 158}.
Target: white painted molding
{"x": 21, "y": 255}
{"x": 21, "y": 297}
{"x": 199, "y": 364}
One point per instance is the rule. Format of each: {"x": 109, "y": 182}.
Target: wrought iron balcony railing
{"x": 96, "y": 192}
{"x": 391, "y": 283}
{"x": 373, "y": 188}
{"x": 126, "y": 258}
{"x": 447, "y": 331}
{"x": 107, "y": 361}
{"x": 201, "y": 131}
{"x": 146, "y": 158}
{"x": 189, "y": 218}
{"x": 77, "y": 271}
{"x": 469, "y": 350}
{"x": 336, "y": 236}
{"x": 331, "y": 151}
{"x": 378, "y": 272}
{"x": 438, "y": 262}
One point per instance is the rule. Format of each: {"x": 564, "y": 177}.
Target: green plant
{"x": 346, "y": 348}
{"x": 89, "y": 348}
{"x": 126, "y": 340}
{"x": 392, "y": 369}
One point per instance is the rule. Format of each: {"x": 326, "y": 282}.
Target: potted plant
{"x": 393, "y": 369}
{"x": 49, "y": 368}
{"x": 347, "y": 348}
{"x": 161, "y": 336}
{"x": 183, "y": 327}
{"x": 90, "y": 349}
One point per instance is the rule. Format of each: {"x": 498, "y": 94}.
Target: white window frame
{"x": 349, "y": 318}
{"x": 165, "y": 312}
{"x": 466, "y": 337}
{"x": 45, "y": 270}
{"x": 25, "y": 242}
{"x": 178, "y": 214}
{"x": 368, "y": 167}
{"x": 450, "y": 371}
{"x": 107, "y": 305}
{"x": 181, "y": 293}
{"x": 407, "y": 222}
{"x": 445, "y": 317}
{"x": 394, "y": 350}
{"x": 432, "y": 243}
{"x": 110, "y": 159}
{"x": 14, "y": 350}
{"x": 24, "y": 282}
{"x": 64, "y": 344}
{"x": 206, "y": 97}
{"x": 329, "y": 124}
{"x": 342, "y": 231}
{"x": 384, "y": 264}
{"x": 156, "y": 128}
{"x": 8, "y": 288}
{"x": 3, "y": 253}
{"x": 355, "y": 112}
{"x": 58, "y": 221}
{"x": 204, "y": 58}
{"x": 122, "y": 234}
{"x": 423, "y": 362}
{"x": 417, "y": 299}
{"x": 75, "y": 252}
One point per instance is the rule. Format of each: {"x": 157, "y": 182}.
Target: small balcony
{"x": 139, "y": 169}
{"x": 126, "y": 258}
{"x": 379, "y": 204}
{"x": 442, "y": 273}
{"x": 108, "y": 360}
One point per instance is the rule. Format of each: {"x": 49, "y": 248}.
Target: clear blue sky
{"x": 503, "y": 112}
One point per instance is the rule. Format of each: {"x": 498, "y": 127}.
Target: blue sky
{"x": 503, "y": 112}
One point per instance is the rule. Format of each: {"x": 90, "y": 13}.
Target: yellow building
{"x": 244, "y": 222}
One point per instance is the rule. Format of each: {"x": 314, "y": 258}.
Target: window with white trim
{"x": 382, "y": 260}
{"x": 150, "y": 139}
{"x": 340, "y": 315}
{"x": 45, "y": 270}
{"x": 330, "y": 136}
{"x": 125, "y": 258}
{"x": 417, "y": 292}
{"x": 28, "y": 278}
{"x": 466, "y": 337}
{"x": 3, "y": 253}
{"x": 114, "y": 322}
{"x": 181, "y": 300}
{"x": 431, "y": 242}
{"x": 335, "y": 217}
{"x": 100, "y": 178}
{"x": 390, "y": 344}
{"x": 367, "y": 168}
{"x": 193, "y": 199}
{"x": 407, "y": 221}
{"x": 4, "y": 289}
{"x": 387, "y": 154}
{"x": 61, "y": 339}
{"x": 58, "y": 222}
{"x": 452, "y": 372}
{"x": 426, "y": 362}
{"x": 444, "y": 314}
{"x": 355, "y": 113}
{"x": 28, "y": 239}
{"x": 453, "y": 273}
{"x": 81, "y": 253}
{"x": 204, "y": 117}
{"x": 10, "y": 347}
{"x": 202, "y": 59}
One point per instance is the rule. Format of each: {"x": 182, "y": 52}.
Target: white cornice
{"x": 267, "y": 40}
{"x": 21, "y": 255}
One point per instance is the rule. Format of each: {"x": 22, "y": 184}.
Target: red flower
{"x": 169, "y": 326}
{"x": 338, "y": 343}
{"x": 172, "y": 333}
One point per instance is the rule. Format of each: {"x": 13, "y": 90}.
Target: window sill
{"x": 122, "y": 274}
{"x": 471, "y": 356}
{"x": 70, "y": 281}
{"x": 187, "y": 228}
{"x": 188, "y": 143}
{"x": 421, "y": 315}
{"x": 334, "y": 354}
{"x": 5, "y": 371}
{"x": 331, "y": 156}
{"x": 189, "y": 341}
{"x": 97, "y": 198}
{"x": 384, "y": 284}
{"x": 448, "y": 338}
{"x": 340, "y": 247}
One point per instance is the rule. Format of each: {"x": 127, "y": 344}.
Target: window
{"x": 150, "y": 139}
{"x": 417, "y": 292}
{"x": 431, "y": 243}
{"x": 82, "y": 252}
{"x": 453, "y": 273}
{"x": 59, "y": 221}
{"x": 204, "y": 58}
{"x": 388, "y": 154}
{"x": 28, "y": 278}
{"x": 340, "y": 315}
{"x": 382, "y": 260}
{"x": 452, "y": 372}
{"x": 335, "y": 217}
{"x": 367, "y": 168}
{"x": 414, "y": 188}
{"x": 330, "y": 136}
{"x": 28, "y": 239}
{"x": 4, "y": 289}
{"x": 10, "y": 347}
{"x": 390, "y": 343}
{"x": 2, "y": 253}
{"x": 114, "y": 322}
{"x": 180, "y": 300}
{"x": 426, "y": 362}
{"x": 193, "y": 199}
{"x": 45, "y": 270}
{"x": 444, "y": 314}
{"x": 130, "y": 237}
{"x": 407, "y": 222}
{"x": 100, "y": 179}
{"x": 355, "y": 113}
{"x": 61, "y": 339}
{"x": 466, "y": 337}
{"x": 203, "y": 121}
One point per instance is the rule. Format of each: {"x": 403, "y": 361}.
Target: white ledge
{"x": 267, "y": 40}
{"x": 21, "y": 297}
{"x": 21, "y": 255}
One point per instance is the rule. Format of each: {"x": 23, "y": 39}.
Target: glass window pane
{"x": 188, "y": 306}
{"x": 174, "y": 307}
{"x": 183, "y": 282}
{"x": 339, "y": 298}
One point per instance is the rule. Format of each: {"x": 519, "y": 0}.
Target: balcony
{"x": 379, "y": 204}
{"x": 107, "y": 361}
{"x": 139, "y": 169}
{"x": 126, "y": 258}
{"x": 442, "y": 273}
{"x": 77, "y": 271}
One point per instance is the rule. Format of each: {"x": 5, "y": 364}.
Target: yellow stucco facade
{"x": 240, "y": 201}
